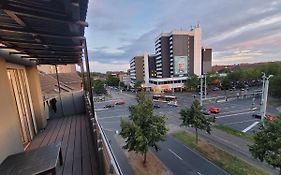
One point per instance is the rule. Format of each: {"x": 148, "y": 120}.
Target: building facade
{"x": 142, "y": 66}
{"x": 178, "y": 53}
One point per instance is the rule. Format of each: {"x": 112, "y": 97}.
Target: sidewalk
{"x": 234, "y": 145}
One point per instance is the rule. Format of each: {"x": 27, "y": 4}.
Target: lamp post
{"x": 201, "y": 90}
{"x": 265, "y": 94}
{"x": 263, "y": 84}
{"x": 205, "y": 95}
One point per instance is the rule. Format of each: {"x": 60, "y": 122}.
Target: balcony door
{"x": 22, "y": 97}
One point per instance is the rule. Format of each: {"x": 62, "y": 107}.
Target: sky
{"x": 240, "y": 31}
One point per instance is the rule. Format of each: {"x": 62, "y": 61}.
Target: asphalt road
{"x": 182, "y": 160}
{"x": 189, "y": 161}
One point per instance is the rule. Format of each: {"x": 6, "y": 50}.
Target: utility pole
{"x": 205, "y": 75}
{"x": 265, "y": 94}
{"x": 263, "y": 84}
{"x": 201, "y": 90}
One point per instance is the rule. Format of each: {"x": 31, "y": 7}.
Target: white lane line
{"x": 245, "y": 121}
{"x": 101, "y": 109}
{"x": 175, "y": 154}
{"x": 251, "y": 126}
{"x": 234, "y": 114}
{"x": 199, "y": 173}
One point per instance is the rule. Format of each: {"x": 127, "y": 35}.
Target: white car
{"x": 173, "y": 103}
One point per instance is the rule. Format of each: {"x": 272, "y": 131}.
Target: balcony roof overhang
{"x": 43, "y": 31}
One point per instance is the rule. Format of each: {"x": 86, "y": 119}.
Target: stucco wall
{"x": 10, "y": 141}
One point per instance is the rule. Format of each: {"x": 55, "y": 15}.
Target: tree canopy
{"x": 99, "y": 87}
{"x": 193, "y": 117}
{"x": 143, "y": 129}
{"x": 192, "y": 82}
{"x": 267, "y": 145}
{"x": 111, "y": 80}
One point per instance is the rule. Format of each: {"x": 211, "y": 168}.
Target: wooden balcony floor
{"x": 77, "y": 149}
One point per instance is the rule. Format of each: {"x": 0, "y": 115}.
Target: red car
{"x": 120, "y": 103}
{"x": 270, "y": 117}
{"x": 214, "y": 110}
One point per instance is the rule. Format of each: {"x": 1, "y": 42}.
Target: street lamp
{"x": 201, "y": 90}
{"x": 205, "y": 75}
{"x": 265, "y": 94}
{"x": 263, "y": 83}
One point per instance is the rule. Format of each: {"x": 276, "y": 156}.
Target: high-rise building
{"x": 178, "y": 53}
{"x": 206, "y": 60}
{"x": 142, "y": 67}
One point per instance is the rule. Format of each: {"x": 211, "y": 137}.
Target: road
{"x": 178, "y": 158}
{"x": 182, "y": 160}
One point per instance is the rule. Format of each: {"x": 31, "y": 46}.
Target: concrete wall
{"x": 9, "y": 123}
{"x": 165, "y": 53}
{"x": 36, "y": 96}
{"x": 139, "y": 61}
{"x": 197, "y": 51}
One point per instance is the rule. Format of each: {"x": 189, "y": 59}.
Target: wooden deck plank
{"x": 86, "y": 161}
{"x": 77, "y": 148}
{"x": 50, "y": 133}
{"x": 55, "y": 132}
{"x": 65, "y": 138}
{"x": 36, "y": 142}
{"x": 67, "y": 170}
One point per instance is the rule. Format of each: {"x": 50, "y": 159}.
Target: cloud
{"x": 96, "y": 66}
{"x": 120, "y": 29}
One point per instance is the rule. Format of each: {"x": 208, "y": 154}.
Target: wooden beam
{"x": 51, "y": 56}
{"x": 30, "y": 42}
{"x": 16, "y": 18}
{"x": 42, "y": 17}
{"x": 14, "y": 30}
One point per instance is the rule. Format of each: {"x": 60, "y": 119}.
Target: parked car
{"x": 156, "y": 106}
{"x": 109, "y": 106}
{"x": 120, "y": 103}
{"x": 214, "y": 110}
{"x": 268, "y": 117}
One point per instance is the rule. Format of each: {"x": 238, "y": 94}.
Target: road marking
{"x": 199, "y": 173}
{"x": 106, "y": 101}
{"x": 233, "y": 123}
{"x": 175, "y": 154}
{"x": 101, "y": 109}
{"x": 240, "y": 110}
{"x": 251, "y": 126}
{"x": 234, "y": 114}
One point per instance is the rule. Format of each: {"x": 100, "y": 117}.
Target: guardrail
{"x": 107, "y": 161}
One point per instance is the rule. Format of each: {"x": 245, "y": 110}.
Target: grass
{"x": 226, "y": 161}
{"x": 235, "y": 132}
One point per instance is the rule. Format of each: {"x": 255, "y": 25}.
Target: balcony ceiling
{"x": 43, "y": 31}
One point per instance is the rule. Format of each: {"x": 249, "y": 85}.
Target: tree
{"x": 225, "y": 83}
{"x": 137, "y": 85}
{"x": 143, "y": 130}
{"x": 99, "y": 87}
{"x": 192, "y": 82}
{"x": 274, "y": 86}
{"x": 193, "y": 117}
{"x": 267, "y": 144}
{"x": 111, "y": 80}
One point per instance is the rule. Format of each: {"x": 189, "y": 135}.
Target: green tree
{"x": 111, "y": 80}
{"x": 274, "y": 86}
{"x": 267, "y": 145}
{"x": 99, "y": 87}
{"x": 193, "y": 117}
{"x": 144, "y": 129}
{"x": 137, "y": 85}
{"x": 225, "y": 83}
{"x": 192, "y": 82}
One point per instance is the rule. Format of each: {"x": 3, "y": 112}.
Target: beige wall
{"x": 36, "y": 96}
{"x": 10, "y": 141}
